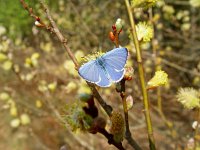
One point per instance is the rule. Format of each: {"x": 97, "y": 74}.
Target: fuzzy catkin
{"x": 117, "y": 128}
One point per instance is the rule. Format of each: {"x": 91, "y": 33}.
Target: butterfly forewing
{"x": 115, "y": 61}
{"x": 93, "y": 72}
{"x": 89, "y": 71}
{"x": 116, "y": 58}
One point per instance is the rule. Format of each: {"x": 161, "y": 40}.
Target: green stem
{"x": 142, "y": 78}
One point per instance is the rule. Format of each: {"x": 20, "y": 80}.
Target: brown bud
{"x": 114, "y": 27}
{"x": 37, "y": 18}
{"x": 129, "y": 73}
{"x": 111, "y": 36}
{"x": 39, "y": 24}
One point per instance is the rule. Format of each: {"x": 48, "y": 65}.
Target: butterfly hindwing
{"x": 104, "y": 81}
{"x": 114, "y": 75}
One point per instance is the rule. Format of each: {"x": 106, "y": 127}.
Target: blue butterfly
{"x": 105, "y": 69}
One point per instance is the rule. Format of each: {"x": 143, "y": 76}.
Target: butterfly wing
{"x": 104, "y": 80}
{"x": 115, "y": 61}
{"x": 89, "y": 71}
{"x": 93, "y": 72}
{"x": 114, "y": 74}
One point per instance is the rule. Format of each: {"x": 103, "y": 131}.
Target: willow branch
{"x": 60, "y": 36}
{"x": 142, "y": 78}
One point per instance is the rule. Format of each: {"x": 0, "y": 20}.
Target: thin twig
{"x": 173, "y": 65}
{"x": 60, "y": 36}
{"x": 128, "y": 135}
{"x": 180, "y": 68}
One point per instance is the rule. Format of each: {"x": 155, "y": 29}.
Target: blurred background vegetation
{"x": 37, "y": 78}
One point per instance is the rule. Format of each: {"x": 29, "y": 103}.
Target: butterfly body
{"x": 105, "y": 69}
{"x": 101, "y": 63}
